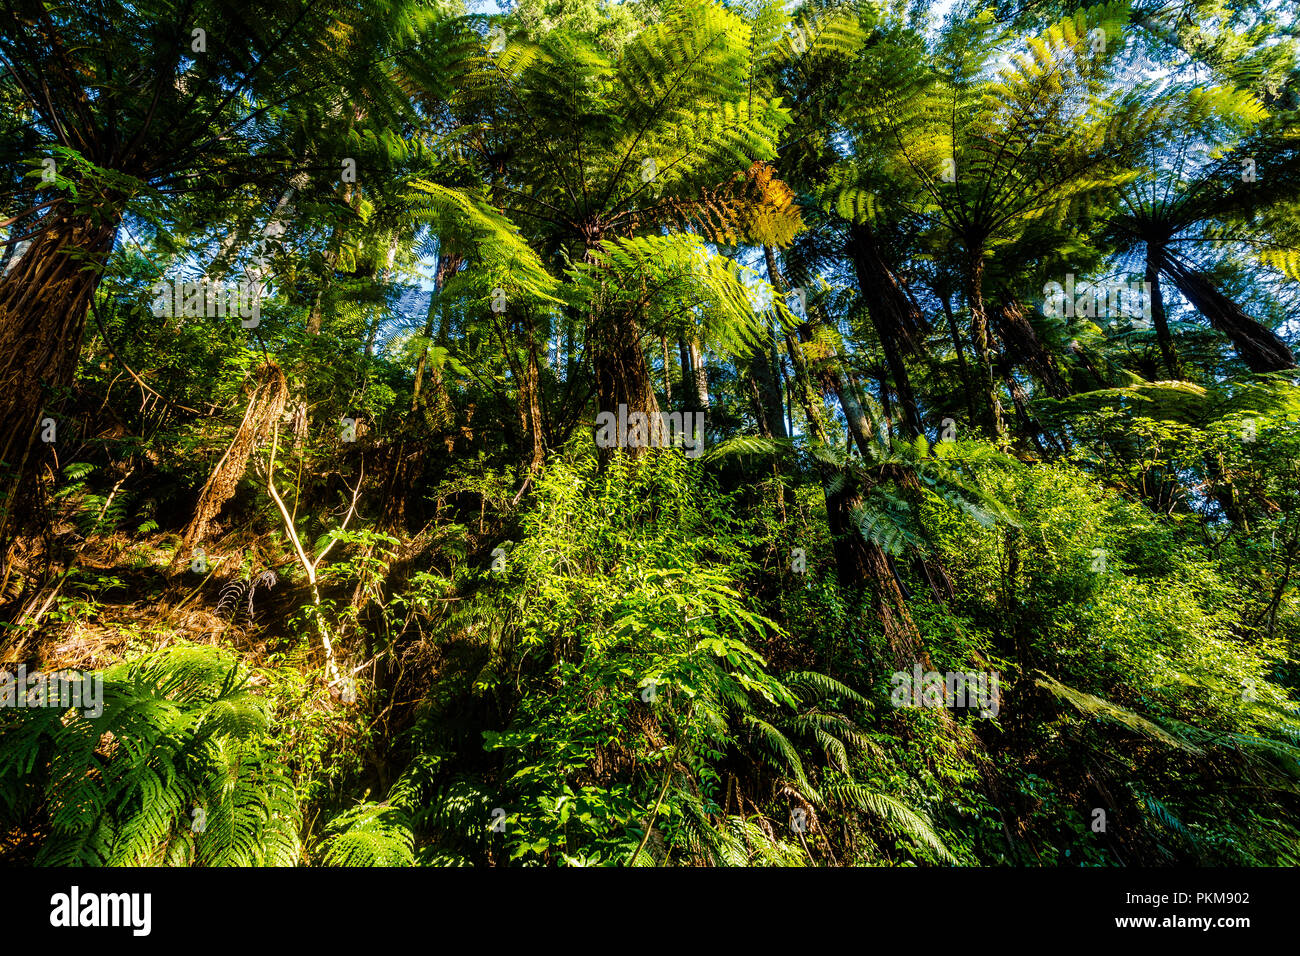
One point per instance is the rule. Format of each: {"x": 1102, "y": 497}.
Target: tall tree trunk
{"x": 43, "y": 303}
{"x": 623, "y": 375}
{"x": 1163, "y": 336}
{"x": 892, "y": 314}
{"x": 668, "y": 379}
{"x": 827, "y": 370}
{"x": 1259, "y": 347}
{"x": 991, "y": 410}
{"x": 767, "y": 387}
{"x": 695, "y": 380}
{"x": 530, "y": 407}
{"x": 1023, "y": 347}
{"x": 699, "y": 377}
{"x": 860, "y": 565}
{"x": 763, "y": 367}
{"x": 1020, "y": 402}
{"x": 688, "y": 376}
{"x": 967, "y": 387}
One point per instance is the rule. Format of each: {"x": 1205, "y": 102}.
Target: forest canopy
{"x": 683, "y": 433}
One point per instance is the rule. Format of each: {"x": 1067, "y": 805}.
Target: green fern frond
{"x": 1094, "y": 706}
{"x": 893, "y": 814}
{"x": 371, "y": 834}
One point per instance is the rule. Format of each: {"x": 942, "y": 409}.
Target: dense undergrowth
{"x": 638, "y": 657}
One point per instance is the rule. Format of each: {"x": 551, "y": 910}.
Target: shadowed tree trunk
{"x": 826, "y": 370}
{"x": 526, "y": 371}
{"x": 695, "y": 380}
{"x": 861, "y": 564}
{"x": 622, "y": 374}
{"x": 767, "y": 388}
{"x": 1163, "y": 336}
{"x": 1259, "y": 347}
{"x": 43, "y": 304}
{"x": 861, "y": 567}
{"x": 1024, "y": 348}
{"x": 990, "y": 405}
{"x": 668, "y": 378}
{"x": 531, "y": 424}
{"x": 892, "y": 314}
{"x": 966, "y": 386}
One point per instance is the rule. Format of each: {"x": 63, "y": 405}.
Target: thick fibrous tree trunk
{"x": 860, "y": 562}
{"x": 893, "y": 315}
{"x": 991, "y": 406}
{"x": 1163, "y": 336}
{"x": 1259, "y": 347}
{"x": 43, "y": 304}
{"x": 1023, "y": 347}
{"x": 623, "y": 375}
{"x": 767, "y": 386}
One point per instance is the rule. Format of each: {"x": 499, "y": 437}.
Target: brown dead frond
{"x": 265, "y": 406}
{"x": 752, "y": 206}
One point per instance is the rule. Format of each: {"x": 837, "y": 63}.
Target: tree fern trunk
{"x": 1259, "y": 347}
{"x": 1163, "y": 336}
{"x": 623, "y": 375}
{"x": 767, "y": 385}
{"x": 826, "y": 371}
{"x": 530, "y": 409}
{"x": 1025, "y": 348}
{"x": 892, "y": 316}
{"x": 972, "y": 407}
{"x": 991, "y": 410}
{"x": 861, "y": 566}
{"x": 43, "y": 304}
